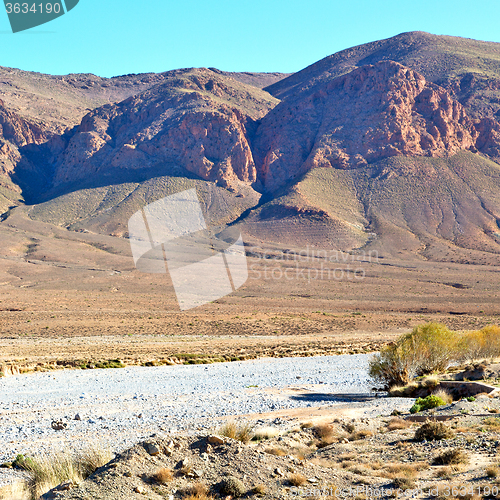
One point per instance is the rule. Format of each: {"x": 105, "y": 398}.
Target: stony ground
{"x": 361, "y": 457}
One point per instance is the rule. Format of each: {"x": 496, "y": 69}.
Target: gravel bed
{"x": 118, "y": 407}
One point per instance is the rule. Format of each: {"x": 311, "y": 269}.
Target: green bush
{"x": 427, "y": 403}
{"x": 427, "y": 349}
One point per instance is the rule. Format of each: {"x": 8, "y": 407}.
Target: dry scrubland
{"x": 453, "y": 459}
{"x": 74, "y": 299}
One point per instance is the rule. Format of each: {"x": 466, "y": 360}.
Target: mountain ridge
{"x": 338, "y": 153}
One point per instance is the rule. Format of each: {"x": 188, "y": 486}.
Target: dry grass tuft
{"x": 259, "y": 489}
{"x": 493, "y": 423}
{"x": 163, "y": 475}
{"x": 326, "y": 435}
{"x": 430, "y": 381}
{"x": 397, "y": 424}
{"x": 444, "y": 472}
{"x": 199, "y": 491}
{"x": 46, "y": 472}
{"x": 361, "y": 434}
{"x": 276, "y": 451}
{"x": 15, "y": 491}
{"x": 404, "y": 483}
{"x": 240, "y": 432}
{"x": 444, "y": 395}
{"x": 297, "y": 479}
{"x": 265, "y": 433}
{"x": 493, "y": 472}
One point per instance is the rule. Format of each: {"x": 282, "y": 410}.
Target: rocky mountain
{"x": 373, "y": 112}
{"x": 392, "y": 146}
{"x": 199, "y": 120}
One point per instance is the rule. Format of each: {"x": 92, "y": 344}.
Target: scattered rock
{"x": 152, "y": 449}
{"x": 217, "y": 440}
{"x": 58, "y": 425}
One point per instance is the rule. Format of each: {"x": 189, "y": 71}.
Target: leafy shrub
{"x": 422, "y": 404}
{"x": 481, "y": 344}
{"x": 433, "y": 431}
{"x": 427, "y": 349}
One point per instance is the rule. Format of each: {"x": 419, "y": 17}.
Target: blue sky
{"x": 115, "y": 37}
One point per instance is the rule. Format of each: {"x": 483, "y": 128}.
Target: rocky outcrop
{"x": 198, "y": 120}
{"x": 15, "y": 132}
{"x": 374, "y": 112}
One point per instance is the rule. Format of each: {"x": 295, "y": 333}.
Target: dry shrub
{"x": 265, "y": 433}
{"x": 163, "y": 475}
{"x": 324, "y": 431}
{"x": 297, "y": 479}
{"x": 186, "y": 470}
{"x": 481, "y": 344}
{"x": 199, "y": 491}
{"x": 444, "y": 472}
{"x": 232, "y": 486}
{"x": 396, "y": 470}
{"x": 347, "y": 457}
{"x": 404, "y": 483}
{"x": 276, "y": 451}
{"x": 322, "y": 462}
{"x": 452, "y": 457}
{"x": 397, "y": 424}
{"x": 299, "y": 452}
{"x": 361, "y": 434}
{"x": 259, "y": 489}
{"x": 347, "y": 463}
{"x": 493, "y": 472}
{"x": 306, "y": 425}
{"x": 444, "y": 395}
{"x": 493, "y": 423}
{"x": 360, "y": 470}
{"x": 240, "y": 432}
{"x": 433, "y": 431}
{"x": 326, "y": 435}
{"x": 430, "y": 381}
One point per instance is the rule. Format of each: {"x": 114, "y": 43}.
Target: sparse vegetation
{"x": 259, "y": 489}
{"x": 232, "y": 486}
{"x": 433, "y": 431}
{"x": 427, "y": 403}
{"x": 297, "y": 479}
{"x": 241, "y": 432}
{"x": 43, "y": 473}
{"x": 276, "y": 451}
{"x": 397, "y": 424}
{"x": 163, "y": 475}
{"x": 431, "y": 348}
{"x": 453, "y": 456}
